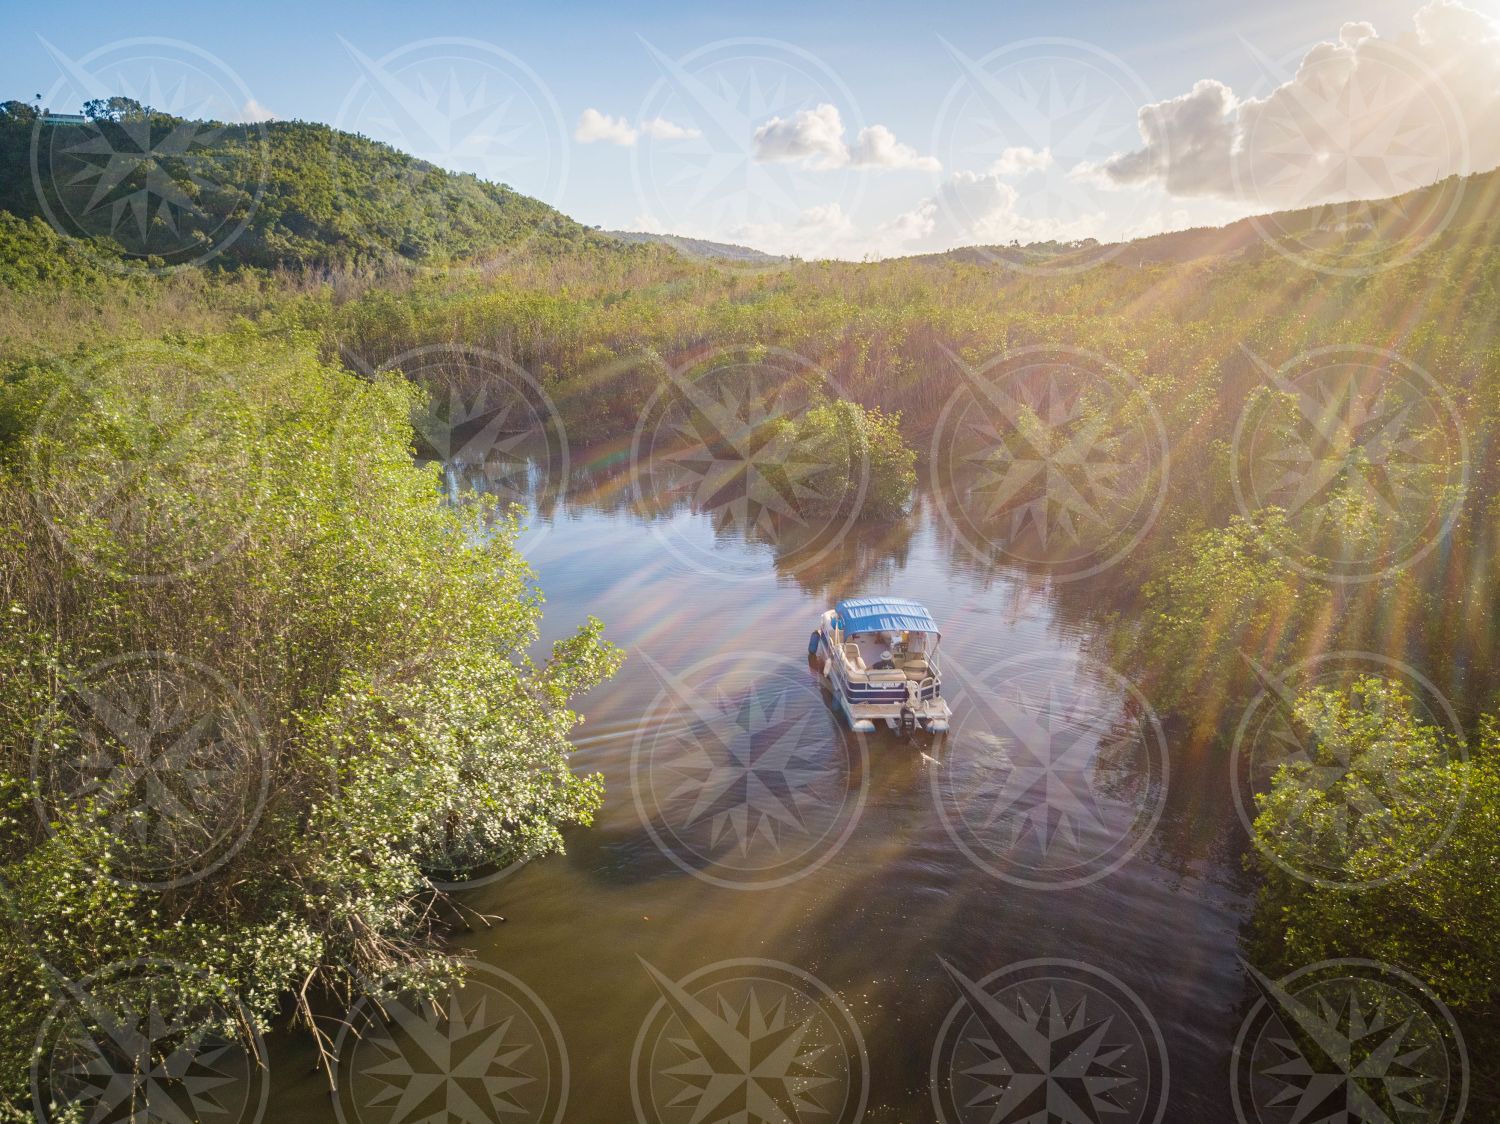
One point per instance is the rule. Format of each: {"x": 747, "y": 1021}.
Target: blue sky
{"x": 847, "y": 129}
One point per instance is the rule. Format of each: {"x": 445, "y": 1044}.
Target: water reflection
{"x": 602, "y": 481}
{"x": 835, "y": 856}
{"x": 1026, "y": 614}
{"x": 727, "y": 434}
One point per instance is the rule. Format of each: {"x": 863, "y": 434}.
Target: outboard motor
{"x": 907, "y": 723}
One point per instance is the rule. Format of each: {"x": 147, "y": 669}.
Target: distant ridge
{"x": 697, "y": 248}
{"x": 303, "y": 195}
{"x": 1428, "y": 217}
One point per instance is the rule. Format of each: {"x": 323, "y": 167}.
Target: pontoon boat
{"x": 879, "y": 657}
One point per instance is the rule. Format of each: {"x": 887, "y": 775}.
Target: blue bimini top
{"x": 883, "y": 614}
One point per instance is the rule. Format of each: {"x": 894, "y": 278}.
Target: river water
{"x": 771, "y": 919}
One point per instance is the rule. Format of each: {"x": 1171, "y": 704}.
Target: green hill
{"x": 700, "y": 249}
{"x": 1340, "y": 236}
{"x": 148, "y": 186}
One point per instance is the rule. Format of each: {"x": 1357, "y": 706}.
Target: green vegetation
{"x": 863, "y": 448}
{"x": 598, "y": 325}
{"x": 381, "y": 637}
{"x": 1224, "y": 595}
{"x": 345, "y": 657}
{"x": 1415, "y": 879}
{"x": 305, "y": 195}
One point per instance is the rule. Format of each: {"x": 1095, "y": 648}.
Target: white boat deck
{"x": 872, "y": 645}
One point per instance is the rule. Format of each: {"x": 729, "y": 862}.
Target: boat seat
{"x": 851, "y": 654}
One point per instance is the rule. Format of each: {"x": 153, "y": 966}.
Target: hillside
{"x": 700, "y": 249}
{"x": 284, "y": 194}
{"x": 1339, "y": 235}
{"x": 293, "y": 194}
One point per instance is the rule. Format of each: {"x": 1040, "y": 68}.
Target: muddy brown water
{"x": 772, "y": 919}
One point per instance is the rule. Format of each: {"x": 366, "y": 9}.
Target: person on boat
{"x": 885, "y": 662}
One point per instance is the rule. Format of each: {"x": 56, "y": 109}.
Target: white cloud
{"x": 1189, "y": 141}
{"x": 877, "y": 147}
{"x": 816, "y": 137}
{"x": 981, "y": 201}
{"x": 968, "y": 208}
{"x": 910, "y": 227}
{"x": 821, "y": 231}
{"x": 252, "y": 111}
{"x": 827, "y": 231}
{"x": 1020, "y": 160}
{"x": 1360, "y": 118}
{"x": 829, "y": 219}
{"x": 1158, "y": 223}
{"x": 981, "y": 207}
{"x": 595, "y": 126}
{"x": 662, "y": 129}
{"x": 1095, "y": 176}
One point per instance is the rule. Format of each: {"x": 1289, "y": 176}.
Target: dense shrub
{"x": 860, "y": 451}
{"x": 256, "y": 680}
{"x": 1407, "y": 838}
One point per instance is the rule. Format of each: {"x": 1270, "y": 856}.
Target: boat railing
{"x": 920, "y": 687}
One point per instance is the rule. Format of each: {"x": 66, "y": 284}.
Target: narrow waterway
{"x": 1046, "y": 899}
